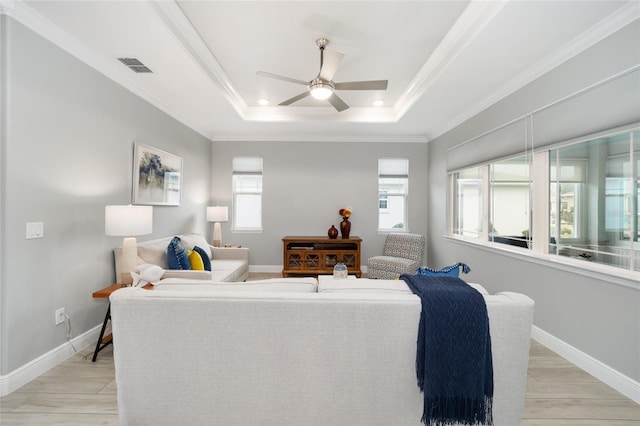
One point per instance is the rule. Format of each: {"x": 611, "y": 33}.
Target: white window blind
{"x": 393, "y": 167}
{"x": 611, "y": 104}
{"x": 507, "y": 140}
{"x": 605, "y": 105}
{"x": 247, "y": 165}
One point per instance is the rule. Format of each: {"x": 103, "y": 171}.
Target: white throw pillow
{"x": 154, "y": 253}
{"x": 191, "y": 240}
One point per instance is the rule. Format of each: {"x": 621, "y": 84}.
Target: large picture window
{"x": 593, "y": 190}
{"x": 594, "y": 200}
{"x": 468, "y": 204}
{"x": 247, "y": 193}
{"x": 555, "y": 182}
{"x": 509, "y": 188}
{"x": 566, "y": 197}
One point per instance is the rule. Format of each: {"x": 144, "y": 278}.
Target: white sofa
{"x": 206, "y": 354}
{"x": 228, "y": 264}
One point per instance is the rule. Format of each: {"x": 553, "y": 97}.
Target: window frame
{"x": 493, "y": 184}
{"x": 456, "y": 196}
{"x": 391, "y": 168}
{"x": 540, "y": 211}
{"x": 246, "y": 166}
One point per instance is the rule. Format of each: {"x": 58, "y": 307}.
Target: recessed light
{"x": 378, "y": 103}
{"x": 263, "y": 102}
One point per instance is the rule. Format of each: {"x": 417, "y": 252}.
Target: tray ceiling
{"x": 444, "y": 60}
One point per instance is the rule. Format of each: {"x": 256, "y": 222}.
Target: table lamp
{"x": 217, "y": 214}
{"x": 128, "y": 221}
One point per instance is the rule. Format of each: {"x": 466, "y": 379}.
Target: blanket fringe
{"x": 446, "y": 411}
{"x": 465, "y": 269}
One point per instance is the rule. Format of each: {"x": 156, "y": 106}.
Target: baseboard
{"x": 26, "y": 373}
{"x": 272, "y": 269}
{"x": 613, "y": 378}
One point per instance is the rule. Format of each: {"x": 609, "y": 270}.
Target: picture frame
{"x": 157, "y": 177}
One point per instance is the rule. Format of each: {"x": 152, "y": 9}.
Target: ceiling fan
{"x": 323, "y": 87}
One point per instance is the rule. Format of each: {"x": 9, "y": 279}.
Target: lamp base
{"x": 217, "y": 235}
{"x": 129, "y": 259}
{"x": 126, "y": 279}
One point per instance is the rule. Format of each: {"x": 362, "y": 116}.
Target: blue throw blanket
{"x": 453, "y": 359}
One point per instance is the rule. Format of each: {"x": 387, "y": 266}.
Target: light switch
{"x": 35, "y": 230}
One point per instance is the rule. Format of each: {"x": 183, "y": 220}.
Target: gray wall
{"x": 305, "y": 184}
{"x": 67, "y": 151}
{"x": 587, "y": 311}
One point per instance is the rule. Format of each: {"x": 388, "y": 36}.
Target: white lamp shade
{"x": 127, "y": 221}
{"x": 217, "y": 214}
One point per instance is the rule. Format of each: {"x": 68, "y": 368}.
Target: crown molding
{"x": 291, "y": 114}
{"x": 191, "y": 41}
{"x": 21, "y": 12}
{"x": 614, "y": 22}
{"x": 319, "y": 138}
{"x": 473, "y": 19}
{"x": 6, "y": 7}
{"x": 179, "y": 25}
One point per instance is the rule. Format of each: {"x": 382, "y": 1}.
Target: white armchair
{"x": 402, "y": 253}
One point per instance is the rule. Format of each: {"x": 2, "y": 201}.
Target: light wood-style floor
{"x": 79, "y": 392}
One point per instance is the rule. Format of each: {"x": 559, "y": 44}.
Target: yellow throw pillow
{"x": 196, "y": 261}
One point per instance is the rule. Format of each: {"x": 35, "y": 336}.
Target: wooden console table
{"x": 318, "y": 255}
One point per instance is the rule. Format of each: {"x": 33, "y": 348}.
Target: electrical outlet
{"x": 60, "y": 316}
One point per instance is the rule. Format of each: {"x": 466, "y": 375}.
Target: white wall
{"x": 305, "y": 184}
{"x": 595, "y": 314}
{"x": 67, "y": 151}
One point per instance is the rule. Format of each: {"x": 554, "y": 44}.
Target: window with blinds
{"x": 563, "y": 180}
{"x": 247, "y": 193}
{"x": 592, "y": 208}
{"x": 393, "y": 189}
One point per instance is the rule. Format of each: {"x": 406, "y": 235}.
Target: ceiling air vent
{"x": 134, "y": 65}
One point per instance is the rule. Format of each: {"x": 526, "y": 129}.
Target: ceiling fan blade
{"x": 337, "y": 103}
{"x": 281, "y": 77}
{"x": 331, "y": 60}
{"x": 295, "y": 98}
{"x": 363, "y": 85}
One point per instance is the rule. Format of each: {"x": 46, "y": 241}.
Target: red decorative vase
{"x": 332, "y": 232}
{"x": 345, "y": 227}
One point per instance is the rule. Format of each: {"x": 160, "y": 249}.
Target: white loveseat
{"x": 229, "y": 264}
{"x": 209, "y": 354}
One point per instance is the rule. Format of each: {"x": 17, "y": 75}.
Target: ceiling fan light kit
{"x": 323, "y": 87}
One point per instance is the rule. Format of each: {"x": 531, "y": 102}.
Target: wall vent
{"x": 134, "y": 65}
